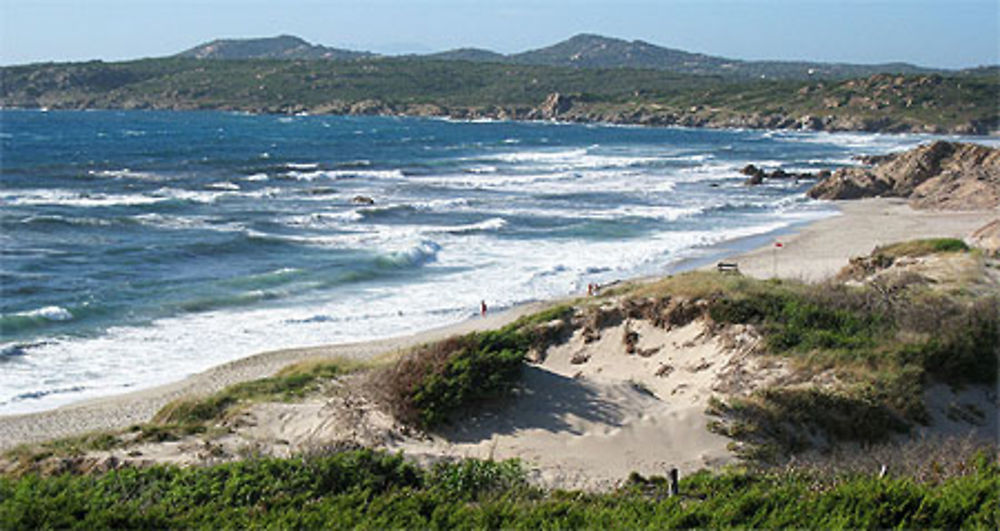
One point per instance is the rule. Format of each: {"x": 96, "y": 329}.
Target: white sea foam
{"x": 70, "y": 198}
{"x": 51, "y": 313}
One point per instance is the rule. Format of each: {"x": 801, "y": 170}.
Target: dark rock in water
{"x": 752, "y": 170}
{"x": 362, "y": 200}
{"x": 757, "y": 175}
{"x": 945, "y": 175}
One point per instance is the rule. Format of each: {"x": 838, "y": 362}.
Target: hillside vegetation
{"x": 579, "y": 51}
{"x": 464, "y": 89}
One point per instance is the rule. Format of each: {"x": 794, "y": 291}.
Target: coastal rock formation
{"x": 554, "y": 105}
{"x": 941, "y": 175}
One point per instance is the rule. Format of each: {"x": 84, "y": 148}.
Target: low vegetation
{"x": 369, "y": 489}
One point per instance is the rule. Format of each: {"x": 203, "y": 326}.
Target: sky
{"x": 933, "y": 33}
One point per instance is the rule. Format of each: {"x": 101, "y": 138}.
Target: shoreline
{"x": 500, "y": 114}
{"x": 811, "y": 251}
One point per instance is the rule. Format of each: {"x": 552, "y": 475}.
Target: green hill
{"x": 280, "y": 47}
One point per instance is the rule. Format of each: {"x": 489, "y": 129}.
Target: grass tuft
{"x": 291, "y": 383}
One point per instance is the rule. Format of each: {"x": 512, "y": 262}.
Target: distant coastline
{"x": 627, "y": 114}
{"x": 927, "y": 103}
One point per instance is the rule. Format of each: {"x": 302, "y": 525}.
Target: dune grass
{"x": 923, "y": 247}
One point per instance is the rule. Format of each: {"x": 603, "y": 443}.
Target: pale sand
{"x": 817, "y": 251}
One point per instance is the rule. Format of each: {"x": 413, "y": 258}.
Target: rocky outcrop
{"x": 555, "y": 105}
{"x": 941, "y": 175}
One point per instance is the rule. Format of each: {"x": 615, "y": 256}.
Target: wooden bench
{"x": 728, "y": 267}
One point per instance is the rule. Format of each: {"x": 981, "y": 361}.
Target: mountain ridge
{"x": 583, "y": 50}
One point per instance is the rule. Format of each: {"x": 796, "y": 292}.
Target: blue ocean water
{"x": 139, "y": 247}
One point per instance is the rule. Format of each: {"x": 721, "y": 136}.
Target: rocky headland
{"x": 941, "y": 175}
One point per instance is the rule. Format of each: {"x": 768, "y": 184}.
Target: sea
{"x": 139, "y": 247}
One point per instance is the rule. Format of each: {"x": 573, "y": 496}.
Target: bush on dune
{"x": 431, "y": 382}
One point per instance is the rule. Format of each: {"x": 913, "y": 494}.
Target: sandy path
{"x": 815, "y": 252}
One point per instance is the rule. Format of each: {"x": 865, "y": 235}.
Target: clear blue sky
{"x": 938, "y": 33}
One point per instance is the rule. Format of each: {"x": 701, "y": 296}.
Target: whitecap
{"x": 488, "y": 225}
{"x": 223, "y": 185}
{"x": 302, "y": 165}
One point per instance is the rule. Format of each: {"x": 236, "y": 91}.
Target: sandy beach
{"x": 814, "y": 252}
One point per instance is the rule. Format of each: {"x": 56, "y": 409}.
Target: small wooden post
{"x": 674, "y": 482}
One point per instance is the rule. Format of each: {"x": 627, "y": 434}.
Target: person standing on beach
{"x": 482, "y": 308}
